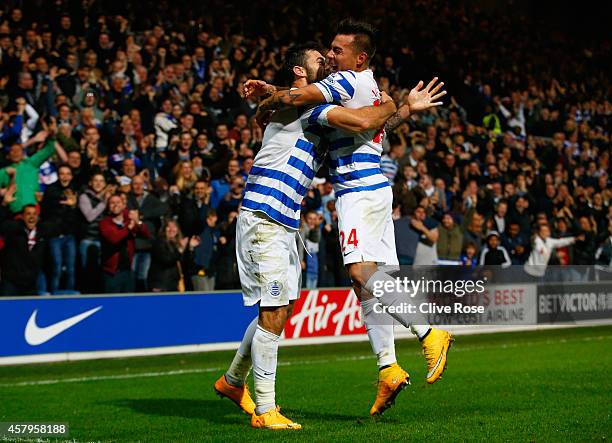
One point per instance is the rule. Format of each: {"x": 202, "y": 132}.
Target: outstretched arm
{"x": 259, "y": 88}
{"x": 362, "y": 119}
{"x": 419, "y": 99}
{"x": 308, "y": 95}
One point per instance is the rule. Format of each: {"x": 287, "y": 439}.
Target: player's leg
{"x": 264, "y": 351}
{"x": 265, "y": 356}
{"x": 232, "y": 384}
{"x": 372, "y": 241}
{"x": 392, "y": 379}
{"x": 357, "y": 231}
{"x": 435, "y": 342}
{"x": 240, "y": 367}
{"x": 275, "y": 308}
{"x": 379, "y": 327}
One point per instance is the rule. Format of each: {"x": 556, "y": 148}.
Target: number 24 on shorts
{"x": 352, "y": 239}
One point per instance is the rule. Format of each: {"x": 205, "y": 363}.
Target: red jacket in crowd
{"x": 113, "y": 237}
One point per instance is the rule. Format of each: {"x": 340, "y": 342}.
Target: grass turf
{"x": 537, "y": 386}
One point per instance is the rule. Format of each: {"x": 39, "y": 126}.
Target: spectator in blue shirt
{"x": 221, "y": 186}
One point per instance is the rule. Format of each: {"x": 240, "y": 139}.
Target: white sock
{"x": 416, "y": 322}
{"x": 239, "y": 370}
{"x": 380, "y": 332}
{"x": 264, "y": 352}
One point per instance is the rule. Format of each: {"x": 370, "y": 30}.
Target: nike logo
{"x": 268, "y": 373}
{"x": 430, "y": 373}
{"x": 35, "y": 335}
{"x": 347, "y": 253}
{"x": 394, "y": 381}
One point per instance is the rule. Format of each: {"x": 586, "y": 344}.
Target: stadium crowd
{"x": 125, "y": 143}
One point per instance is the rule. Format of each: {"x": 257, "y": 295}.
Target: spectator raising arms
{"x": 24, "y": 170}
{"x": 148, "y": 98}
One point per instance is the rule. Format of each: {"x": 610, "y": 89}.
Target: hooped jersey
{"x": 355, "y": 158}
{"x": 286, "y": 164}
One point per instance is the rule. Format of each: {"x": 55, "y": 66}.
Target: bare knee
{"x": 360, "y": 273}
{"x": 290, "y": 309}
{"x": 273, "y": 318}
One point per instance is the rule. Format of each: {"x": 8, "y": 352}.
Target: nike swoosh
{"x": 35, "y": 335}
{"x": 347, "y": 253}
{"x": 430, "y": 373}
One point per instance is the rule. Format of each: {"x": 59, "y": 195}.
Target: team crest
{"x": 274, "y": 288}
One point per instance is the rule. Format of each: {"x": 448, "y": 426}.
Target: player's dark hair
{"x": 364, "y": 35}
{"x": 296, "y": 56}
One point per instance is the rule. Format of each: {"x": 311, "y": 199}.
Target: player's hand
{"x": 422, "y": 98}
{"x": 257, "y": 88}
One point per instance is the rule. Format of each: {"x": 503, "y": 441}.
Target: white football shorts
{"x": 366, "y": 227}
{"x": 268, "y": 261}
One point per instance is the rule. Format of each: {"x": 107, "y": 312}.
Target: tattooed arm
{"x": 259, "y": 88}
{"x": 398, "y": 118}
{"x": 308, "y": 95}
{"x": 362, "y": 119}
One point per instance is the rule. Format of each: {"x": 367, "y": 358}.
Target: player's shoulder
{"x": 341, "y": 76}
{"x": 312, "y": 114}
{"x": 347, "y": 74}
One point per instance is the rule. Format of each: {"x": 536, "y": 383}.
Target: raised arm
{"x": 419, "y": 99}
{"x": 362, "y": 119}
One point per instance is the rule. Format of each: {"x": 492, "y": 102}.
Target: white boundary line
{"x": 401, "y": 333}
{"x": 282, "y": 363}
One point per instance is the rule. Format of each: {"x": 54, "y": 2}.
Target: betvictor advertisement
{"x": 573, "y": 302}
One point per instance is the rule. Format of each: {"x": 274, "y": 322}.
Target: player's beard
{"x": 319, "y": 74}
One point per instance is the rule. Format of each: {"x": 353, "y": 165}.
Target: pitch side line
{"x": 285, "y": 363}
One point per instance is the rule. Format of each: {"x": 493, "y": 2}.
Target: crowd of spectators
{"x": 125, "y": 143}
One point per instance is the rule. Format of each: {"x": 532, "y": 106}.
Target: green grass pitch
{"x": 542, "y": 386}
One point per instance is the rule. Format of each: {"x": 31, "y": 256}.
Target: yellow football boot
{"x": 273, "y": 420}
{"x": 435, "y": 347}
{"x": 391, "y": 381}
{"x": 238, "y": 394}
